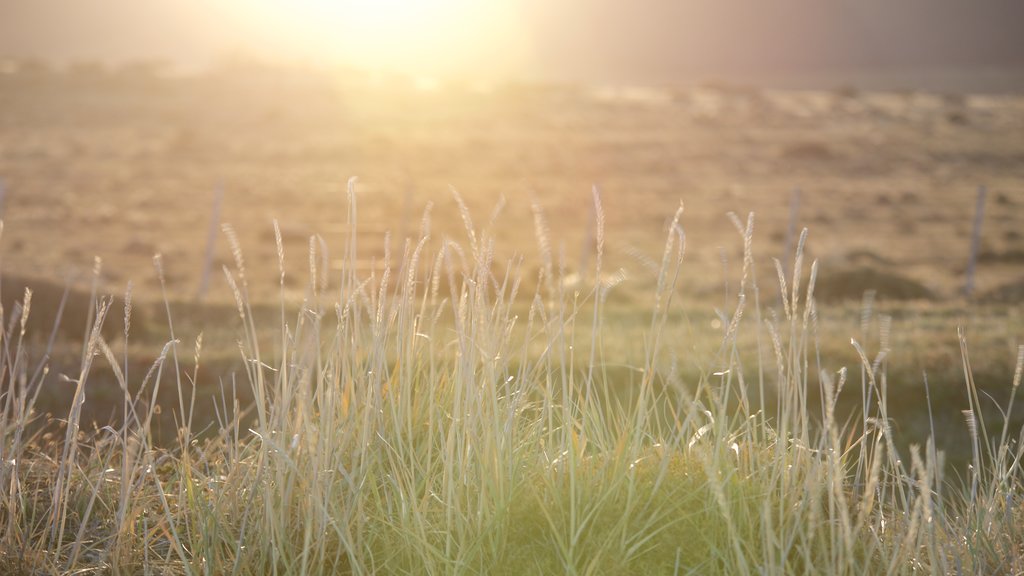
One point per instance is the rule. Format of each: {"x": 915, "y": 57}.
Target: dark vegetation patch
{"x": 808, "y": 152}
{"x": 958, "y": 117}
{"x": 1009, "y": 293}
{"x": 71, "y": 305}
{"x": 74, "y": 307}
{"x": 1001, "y": 257}
{"x": 837, "y": 285}
{"x": 863, "y": 257}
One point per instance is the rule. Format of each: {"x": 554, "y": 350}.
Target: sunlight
{"x": 422, "y": 37}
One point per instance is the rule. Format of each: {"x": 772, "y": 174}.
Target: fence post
{"x": 794, "y": 216}
{"x": 972, "y": 261}
{"x": 407, "y": 194}
{"x": 211, "y": 242}
{"x": 589, "y": 236}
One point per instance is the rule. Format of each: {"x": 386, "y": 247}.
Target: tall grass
{"x": 433, "y": 420}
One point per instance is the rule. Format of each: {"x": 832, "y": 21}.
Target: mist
{"x": 932, "y": 44}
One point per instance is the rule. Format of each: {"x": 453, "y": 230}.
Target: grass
{"x": 420, "y": 420}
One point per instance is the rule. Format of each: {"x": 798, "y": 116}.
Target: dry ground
{"x": 122, "y": 166}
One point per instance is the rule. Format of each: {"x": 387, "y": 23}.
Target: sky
{"x": 628, "y": 41}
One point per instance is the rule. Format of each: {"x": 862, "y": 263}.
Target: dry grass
{"x": 125, "y": 169}
{"x": 403, "y": 423}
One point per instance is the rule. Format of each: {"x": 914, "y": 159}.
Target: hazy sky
{"x": 603, "y": 40}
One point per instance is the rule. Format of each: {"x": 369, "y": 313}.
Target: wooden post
{"x": 589, "y": 237}
{"x": 972, "y": 261}
{"x": 211, "y": 242}
{"x": 407, "y": 194}
{"x": 794, "y": 217}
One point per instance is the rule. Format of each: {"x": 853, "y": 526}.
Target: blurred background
{"x": 914, "y": 44}
{"x": 133, "y": 128}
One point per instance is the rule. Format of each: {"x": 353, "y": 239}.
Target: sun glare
{"x": 422, "y": 37}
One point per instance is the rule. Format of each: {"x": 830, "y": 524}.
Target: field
{"x": 888, "y": 181}
{"x": 519, "y": 372}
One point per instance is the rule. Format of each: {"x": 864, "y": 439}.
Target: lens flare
{"x": 421, "y": 37}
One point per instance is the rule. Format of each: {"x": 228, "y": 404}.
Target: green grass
{"x": 422, "y": 421}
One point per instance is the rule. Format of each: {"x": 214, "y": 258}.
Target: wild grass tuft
{"x": 432, "y": 420}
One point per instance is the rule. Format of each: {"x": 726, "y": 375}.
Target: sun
{"x": 422, "y": 37}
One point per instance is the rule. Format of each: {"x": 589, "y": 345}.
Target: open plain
{"x": 504, "y": 248}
